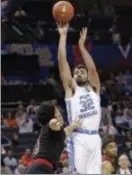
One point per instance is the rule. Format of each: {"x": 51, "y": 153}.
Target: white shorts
{"x": 87, "y": 153}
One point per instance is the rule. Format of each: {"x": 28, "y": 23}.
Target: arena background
{"x": 29, "y": 69}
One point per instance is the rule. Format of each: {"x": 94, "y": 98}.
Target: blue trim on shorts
{"x": 70, "y": 148}
{"x": 85, "y": 131}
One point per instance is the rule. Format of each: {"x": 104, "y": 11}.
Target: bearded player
{"x": 109, "y": 155}
{"x": 82, "y": 96}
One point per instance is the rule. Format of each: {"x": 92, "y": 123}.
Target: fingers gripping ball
{"x": 63, "y": 11}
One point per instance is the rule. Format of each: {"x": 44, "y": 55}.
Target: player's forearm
{"x": 64, "y": 68}
{"x": 62, "y": 57}
{"x": 87, "y": 58}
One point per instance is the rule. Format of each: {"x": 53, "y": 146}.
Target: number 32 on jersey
{"x": 86, "y": 105}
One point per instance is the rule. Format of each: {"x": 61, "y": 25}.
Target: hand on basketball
{"x": 63, "y": 28}
{"x": 83, "y": 36}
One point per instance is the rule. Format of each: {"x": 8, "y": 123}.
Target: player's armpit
{"x": 107, "y": 168}
{"x": 68, "y": 92}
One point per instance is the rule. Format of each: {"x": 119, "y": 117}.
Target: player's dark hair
{"x": 80, "y": 66}
{"x": 106, "y": 140}
{"x": 45, "y": 112}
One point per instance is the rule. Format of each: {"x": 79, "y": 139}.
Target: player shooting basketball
{"x": 83, "y": 102}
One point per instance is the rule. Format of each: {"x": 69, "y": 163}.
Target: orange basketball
{"x": 63, "y": 11}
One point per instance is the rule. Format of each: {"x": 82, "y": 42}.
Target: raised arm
{"x": 64, "y": 68}
{"x": 57, "y": 125}
{"x": 92, "y": 72}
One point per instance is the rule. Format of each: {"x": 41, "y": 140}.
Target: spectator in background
{"x": 119, "y": 120}
{"x": 20, "y": 168}
{"x": 5, "y": 142}
{"x": 5, "y": 169}
{"x": 94, "y": 11}
{"x": 31, "y": 115}
{"x": 120, "y": 78}
{"x": 10, "y": 161}
{"x": 20, "y": 13}
{"x": 122, "y": 120}
{"x": 11, "y": 122}
{"x": 3, "y": 80}
{"x": 3, "y": 121}
{"x": 128, "y": 150}
{"x": 20, "y": 107}
{"x": 128, "y": 117}
{"x": 104, "y": 104}
{"x": 123, "y": 162}
{"x": 3, "y": 152}
{"x": 25, "y": 125}
{"x": 108, "y": 128}
{"x": 15, "y": 140}
{"x": 26, "y": 158}
{"x": 109, "y": 10}
{"x": 32, "y": 106}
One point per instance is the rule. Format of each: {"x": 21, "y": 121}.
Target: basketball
{"x": 63, "y": 11}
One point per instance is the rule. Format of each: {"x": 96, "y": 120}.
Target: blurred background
{"x": 29, "y": 70}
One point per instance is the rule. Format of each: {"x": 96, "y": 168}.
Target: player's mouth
{"x": 79, "y": 77}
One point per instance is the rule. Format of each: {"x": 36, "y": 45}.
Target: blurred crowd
{"x": 106, "y": 22}
{"x": 107, "y": 25}
{"x": 116, "y": 103}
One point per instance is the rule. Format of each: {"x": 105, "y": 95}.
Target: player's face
{"x": 111, "y": 149}
{"x": 81, "y": 76}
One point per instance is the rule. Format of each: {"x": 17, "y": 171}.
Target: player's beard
{"x": 80, "y": 82}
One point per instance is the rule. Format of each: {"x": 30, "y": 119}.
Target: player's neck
{"x": 84, "y": 85}
{"x": 111, "y": 159}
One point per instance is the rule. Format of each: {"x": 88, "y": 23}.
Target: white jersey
{"x": 85, "y": 106}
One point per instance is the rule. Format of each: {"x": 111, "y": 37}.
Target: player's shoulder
{"x": 94, "y": 89}
{"x": 107, "y": 164}
{"x": 107, "y": 167}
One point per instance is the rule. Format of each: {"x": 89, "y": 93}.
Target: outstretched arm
{"x": 64, "y": 68}
{"x": 92, "y": 72}
{"x": 56, "y": 125}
